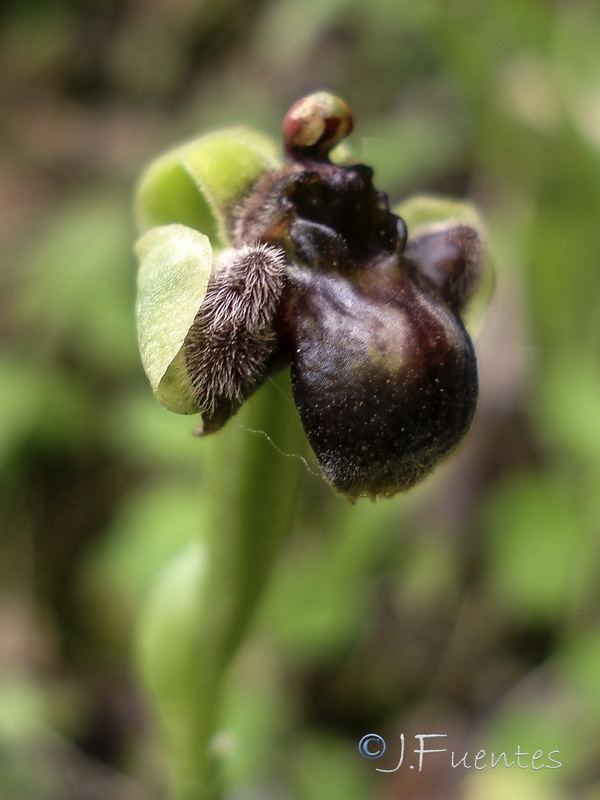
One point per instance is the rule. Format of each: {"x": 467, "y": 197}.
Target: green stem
{"x": 252, "y": 489}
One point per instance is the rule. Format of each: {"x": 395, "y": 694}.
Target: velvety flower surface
{"x": 317, "y": 273}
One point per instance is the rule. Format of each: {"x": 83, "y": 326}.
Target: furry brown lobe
{"x": 229, "y": 345}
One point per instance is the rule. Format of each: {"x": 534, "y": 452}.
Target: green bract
{"x": 183, "y": 202}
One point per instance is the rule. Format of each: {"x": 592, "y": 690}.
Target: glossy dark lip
{"x": 378, "y": 428}
{"x": 383, "y": 371}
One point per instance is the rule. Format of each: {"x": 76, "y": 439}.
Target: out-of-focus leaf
{"x": 42, "y": 405}
{"x": 25, "y": 771}
{"x": 23, "y": 710}
{"x": 327, "y": 767}
{"x": 539, "y": 714}
{"x": 284, "y": 38}
{"x": 21, "y": 390}
{"x": 170, "y": 622}
{"x": 147, "y": 532}
{"x": 407, "y": 149}
{"x": 75, "y": 289}
{"x": 569, "y": 407}
{"x": 578, "y": 660}
{"x": 175, "y": 266}
{"x": 255, "y": 718}
{"x": 534, "y": 541}
{"x": 320, "y": 597}
{"x": 497, "y": 785}
{"x": 150, "y": 434}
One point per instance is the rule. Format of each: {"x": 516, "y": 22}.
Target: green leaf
{"x": 175, "y": 266}
{"x": 534, "y": 538}
{"x": 167, "y": 626}
{"x": 198, "y": 183}
{"x": 74, "y": 292}
{"x": 327, "y": 767}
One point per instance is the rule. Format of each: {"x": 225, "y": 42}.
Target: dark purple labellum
{"x": 384, "y": 376}
{"x": 384, "y": 373}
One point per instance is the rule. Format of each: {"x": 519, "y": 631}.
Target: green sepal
{"x": 422, "y": 210}
{"x": 199, "y": 182}
{"x": 423, "y": 213}
{"x": 175, "y": 267}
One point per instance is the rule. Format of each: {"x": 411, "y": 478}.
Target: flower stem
{"x": 188, "y": 644}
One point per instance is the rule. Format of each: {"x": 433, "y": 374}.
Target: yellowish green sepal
{"x": 198, "y": 183}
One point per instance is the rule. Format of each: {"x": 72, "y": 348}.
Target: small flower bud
{"x": 315, "y": 124}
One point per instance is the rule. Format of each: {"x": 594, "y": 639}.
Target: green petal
{"x": 175, "y": 266}
{"x": 198, "y": 183}
{"x": 422, "y": 212}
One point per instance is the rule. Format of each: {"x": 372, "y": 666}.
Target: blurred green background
{"x": 469, "y": 607}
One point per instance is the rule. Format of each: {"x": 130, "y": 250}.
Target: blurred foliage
{"x": 470, "y": 606}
